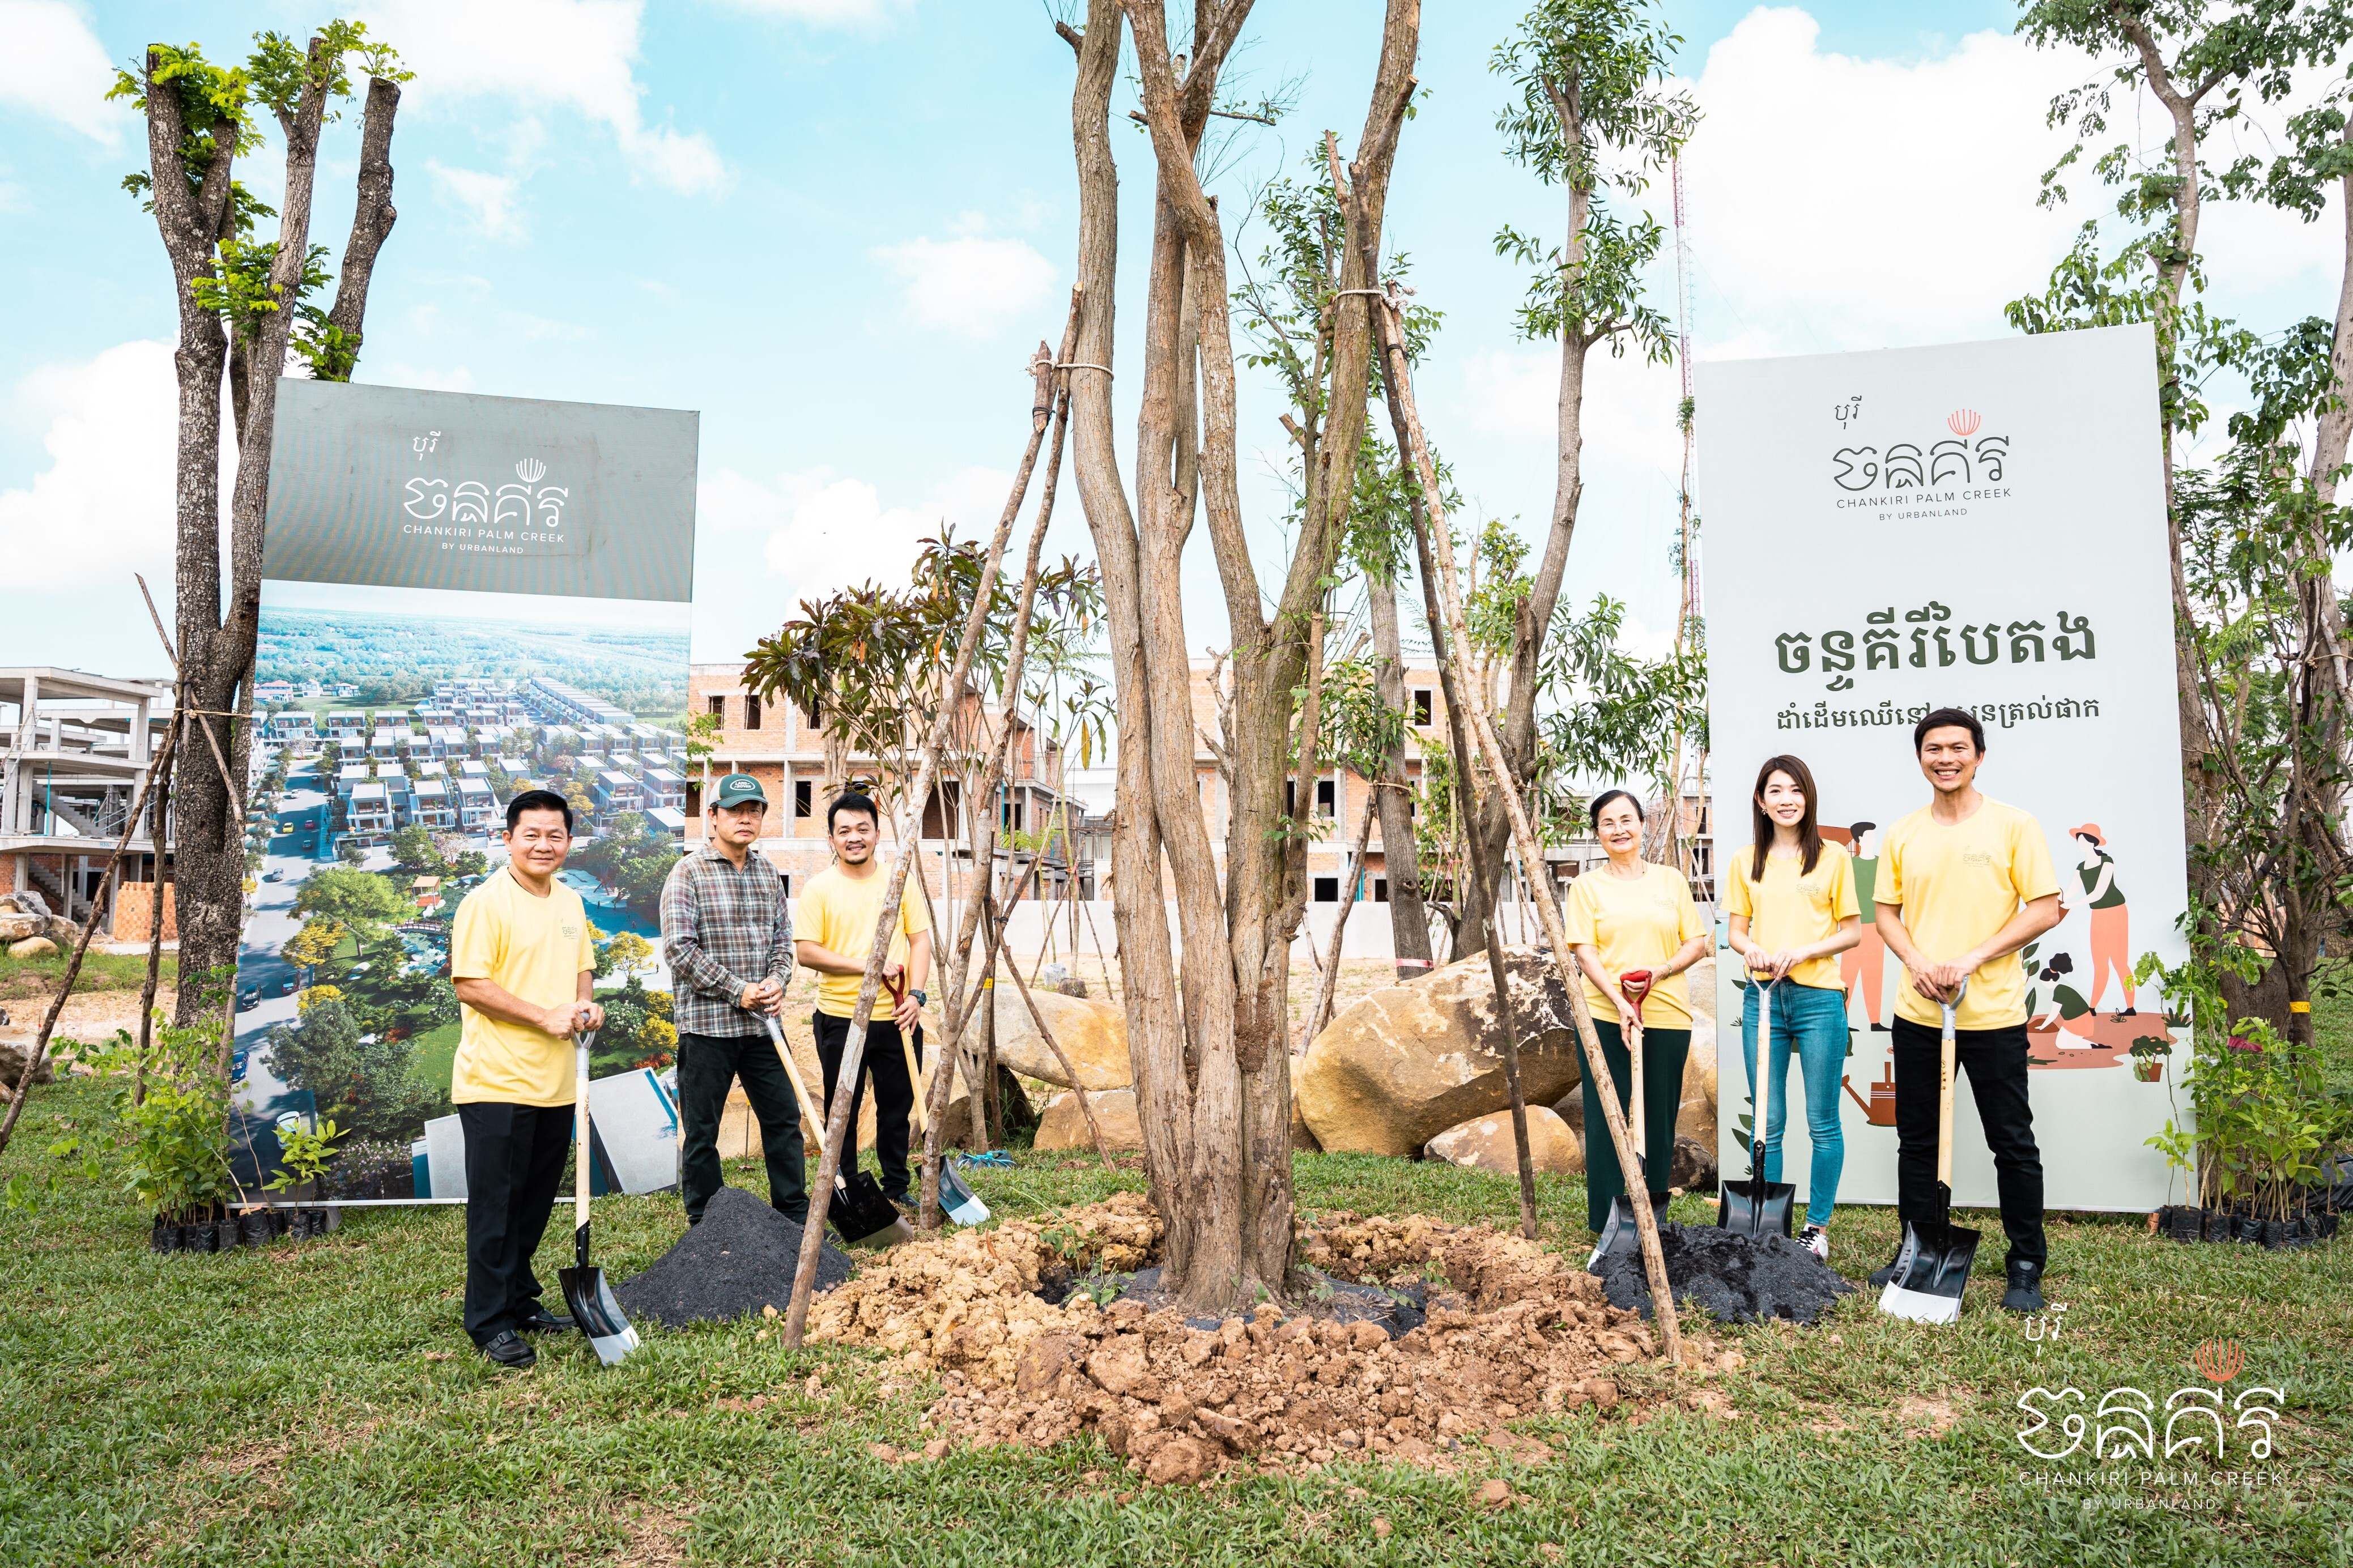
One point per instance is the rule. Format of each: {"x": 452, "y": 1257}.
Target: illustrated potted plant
{"x": 2148, "y": 1054}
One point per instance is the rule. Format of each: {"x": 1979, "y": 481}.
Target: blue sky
{"x": 836, "y": 228}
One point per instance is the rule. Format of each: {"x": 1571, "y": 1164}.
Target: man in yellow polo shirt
{"x": 524, "y": 965}
{"x": 834, "y": 934}
{"x": 1963, "y": 884}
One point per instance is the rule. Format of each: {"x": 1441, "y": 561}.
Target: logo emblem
{"x": 1963, "y": 421}
{"x": 2219, "y": 1360}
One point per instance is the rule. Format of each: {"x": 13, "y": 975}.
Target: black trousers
{"x": 708, "y": 1065}
{"x": 1994, "y": 1060}
{"x": 515, "y": 1158}
{"x": 885, "y": 1064}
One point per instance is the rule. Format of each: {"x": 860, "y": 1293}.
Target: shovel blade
{"x": 1759, "y": 1209}
{"x": 1621, "y": 1233}
{"x": 1931, "y": 1272}
{"x": 863, "y": 1216}
{"x": 598, "y": 1315}
{"x": 958, "y": 1201}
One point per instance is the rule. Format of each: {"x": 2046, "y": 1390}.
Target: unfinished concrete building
{"x": 75, "y": 750}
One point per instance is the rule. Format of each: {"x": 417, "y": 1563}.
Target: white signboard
{"x": 1980, "y": 526}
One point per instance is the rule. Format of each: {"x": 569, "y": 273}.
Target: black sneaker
{"x": 2025, "y": 1292}
{"x": 508, "y": 1349}
{"x": 540, "y": 1321}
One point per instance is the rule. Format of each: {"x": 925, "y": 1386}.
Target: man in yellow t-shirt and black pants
{"x": 834, "y": 934}
{"x": 524, "y": 966}
{"x": 1963, "y": 884}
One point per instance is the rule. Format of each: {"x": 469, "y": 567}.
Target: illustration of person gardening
{"x": 1868, "y": 959}
{"x": 2111, "y": 922}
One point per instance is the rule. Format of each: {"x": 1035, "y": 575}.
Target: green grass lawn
{"x": 38, "y": 977}
{"x": 319, "y": 1405}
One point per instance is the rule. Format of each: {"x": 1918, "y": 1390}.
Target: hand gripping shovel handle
{"x": 1636, "y": 984}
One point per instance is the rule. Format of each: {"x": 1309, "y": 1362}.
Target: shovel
{"x": 1620, "y": 1232}
{"x": 1933, "y": 1264}
{"x": 956, "y": 1200}
{"x": 1755, "y": 1205}
{"x": 860, "y": 1213}
{"x": 594, "y": 1309}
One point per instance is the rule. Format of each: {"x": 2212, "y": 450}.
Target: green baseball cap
{"x": 737, "y": 789}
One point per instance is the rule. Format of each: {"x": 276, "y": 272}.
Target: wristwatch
{"x": 923, "y": 998}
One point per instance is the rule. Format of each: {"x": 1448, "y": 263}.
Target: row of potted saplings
{"x": 2265, "y": 1149}
{"x": 217, "y": 1225}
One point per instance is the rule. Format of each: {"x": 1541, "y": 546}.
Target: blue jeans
{"x": 1811, "y": 1020}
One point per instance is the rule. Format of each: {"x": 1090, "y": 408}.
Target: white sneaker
{"x": 1816, "y": 1240}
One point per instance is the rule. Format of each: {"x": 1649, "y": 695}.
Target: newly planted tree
{"x": 243, "y": 302}
{"x": 1210, "y": 1057}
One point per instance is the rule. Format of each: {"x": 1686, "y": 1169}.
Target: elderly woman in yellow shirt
{"x": 1623, "y": 917}
{"x": 1791, "y": 899}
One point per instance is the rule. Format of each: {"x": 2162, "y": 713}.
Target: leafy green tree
{"x": 363, "y": 1083}
{"x": 413, "y": 849}
{"x": 1593, "y": 114}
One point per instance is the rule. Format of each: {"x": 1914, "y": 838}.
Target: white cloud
{"x": 821, "y": 530}
{"x": 578, "y": 55}
{"x": 969, "y": 285}
{"x": 102, "y": 509}
{"x": 1840, "y": 203}
{"x": 53, "y": 65}
{"x": 489, "y": 199}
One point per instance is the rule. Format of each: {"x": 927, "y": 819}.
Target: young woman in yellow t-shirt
{"x": 1792, "y": 902}
{"x": 1624, "y": 915}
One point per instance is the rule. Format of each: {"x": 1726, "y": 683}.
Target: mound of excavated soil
{"x": 738, "y": 1260}
{"x": 1737, "y": 1279}
{"x": 1517, "y": 1333}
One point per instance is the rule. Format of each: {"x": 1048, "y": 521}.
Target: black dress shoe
{"x": 542, "y": 1322}
{"x": 1882, "y": 1276}
{"x": 507, "y": 1349}
{"x": 2025, "y": 1292}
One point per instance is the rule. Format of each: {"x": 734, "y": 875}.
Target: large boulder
{"x": 13, "y": 1057}
{"x": 1405, "y": 1063}
{"x": 1094, "y": 1035}
{"x": 33, "y": 947}
{"x": 1486, "y": 1142}
{"x": 1064, "y": 1125}
{"x": 18, "y": 928}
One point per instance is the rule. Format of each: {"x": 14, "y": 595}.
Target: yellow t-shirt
{"x": 1637, "y": 925}
{"x": 1957, "y": 886}
{"x": 533, "y": 949}
{"x": 1786, "y": 911}
{"x": 839, "y": 913}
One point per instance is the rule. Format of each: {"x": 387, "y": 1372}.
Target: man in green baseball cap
{"x": 727, "y": 934}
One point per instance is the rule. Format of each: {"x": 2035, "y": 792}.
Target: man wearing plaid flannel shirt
{"x": 728, "y": 936}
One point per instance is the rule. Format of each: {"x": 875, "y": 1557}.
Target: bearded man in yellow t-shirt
{"x": 1963, "y": 884}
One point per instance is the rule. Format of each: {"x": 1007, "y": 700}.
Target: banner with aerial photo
{"x": 463, "y": 597}
{"x": 1982, "y": 526}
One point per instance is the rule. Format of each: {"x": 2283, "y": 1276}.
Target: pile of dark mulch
{"x": 738, "y": 1260}
{"x": 1399, "y": 1312}
{"x": 1737, "y": 1279}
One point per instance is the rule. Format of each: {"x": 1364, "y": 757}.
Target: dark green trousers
{"x": 1663, "y": 1051}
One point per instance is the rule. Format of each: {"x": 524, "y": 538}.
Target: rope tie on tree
{"x": 1081, "y": 365}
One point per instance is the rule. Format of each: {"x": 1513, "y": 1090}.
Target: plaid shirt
{"x": 723, "y": 930}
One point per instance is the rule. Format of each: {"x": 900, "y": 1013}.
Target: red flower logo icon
{"x": 1963, "y": 421}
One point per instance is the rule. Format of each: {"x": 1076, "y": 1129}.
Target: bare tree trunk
{"x": 1409, "y": 438}
{"x": 1321, "y": 1014}
{"x": 1400, "y": 861}
{"x": 372, "y": 221}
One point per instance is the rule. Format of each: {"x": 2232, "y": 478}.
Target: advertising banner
{"x": 463, "y": 597}
{"x": 1979, "y": 526}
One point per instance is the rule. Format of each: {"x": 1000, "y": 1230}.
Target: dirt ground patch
{"x": 1512, "y": 1331}
{"x": 90, "y": 1015}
